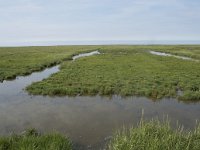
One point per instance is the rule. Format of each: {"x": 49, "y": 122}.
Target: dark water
{"x": 88, "y": 121}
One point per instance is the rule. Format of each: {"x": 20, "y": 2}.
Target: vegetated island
{"x": 121, "y": 70}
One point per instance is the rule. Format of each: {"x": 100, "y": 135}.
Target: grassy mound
{"x": 155, "y": 135}
{"x": 31, "y": 140}
{"x": 126, "y": 71}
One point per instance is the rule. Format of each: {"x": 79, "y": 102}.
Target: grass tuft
{"x": 126, "y": 71}
{"x": 32, "y": 140}
{"x": 155, "y": 135}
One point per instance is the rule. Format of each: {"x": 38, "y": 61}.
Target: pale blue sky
{"x": 82, "y": 20}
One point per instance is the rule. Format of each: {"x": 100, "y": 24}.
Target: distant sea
{"x": 111, "y": 42}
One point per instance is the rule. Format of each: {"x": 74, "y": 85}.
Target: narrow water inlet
{"x": 14, "y": 87}
{"x": 160, "y": 53}
{"x": 170, "y": 55}
{"x": 51, "y": 70}
{"x": 85, "y": 55}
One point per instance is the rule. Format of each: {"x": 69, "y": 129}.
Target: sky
{"x": 29, "y": 21}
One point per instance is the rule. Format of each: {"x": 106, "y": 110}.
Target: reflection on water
{"x": 166, "y": 54}
{"x": 14, "y": 87}
{"x": 88, "y": 121}
{"x": 86, "y": 54}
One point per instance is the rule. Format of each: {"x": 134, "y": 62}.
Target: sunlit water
{"x": 86, "y": 55}
{"x": 88, "y": 121}
{"x": 166, "y": 54}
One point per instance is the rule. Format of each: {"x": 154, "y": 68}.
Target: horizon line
{"x": 99, "y": 42}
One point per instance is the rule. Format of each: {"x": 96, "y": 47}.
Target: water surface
{"x": 167, "y": 54}
{"x": 85, "y": 55}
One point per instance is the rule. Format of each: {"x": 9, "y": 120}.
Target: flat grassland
{"x": 121, "y": 70}
{"x": 127, "y": 71}
{"x": 16, "y": 61}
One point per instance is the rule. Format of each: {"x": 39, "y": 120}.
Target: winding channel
{"x": 170, "y": 55}
{"x": 88, "y": 121}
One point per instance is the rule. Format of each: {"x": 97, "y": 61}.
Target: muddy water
{"x": 88, "y": 121}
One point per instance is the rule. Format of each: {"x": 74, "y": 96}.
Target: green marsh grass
{"x": 32, "y": 140}
{"x": 122, "y": 70}
{"x": 155, "y": 135}
{"x": 125, "y": 71}
{"x": 15, "y": 61}
{"x": 147, "y": 135}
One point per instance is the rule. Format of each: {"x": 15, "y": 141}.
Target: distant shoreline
{"x": 111, "y": 42}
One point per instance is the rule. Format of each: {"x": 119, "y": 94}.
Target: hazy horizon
{"x": 111, "y": 42}
{"x": 34, "y": 22}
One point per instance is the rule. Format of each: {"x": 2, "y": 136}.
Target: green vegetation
{"x": 192, "y": 51}
{"x": 122, "y": 70}
{"x": 126, "y": 71}
{"x": 32, "y": 140}
{"x": 151, "y": 135}
{"x": 155, "y": 135}
{"x": 25, "y": 60}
